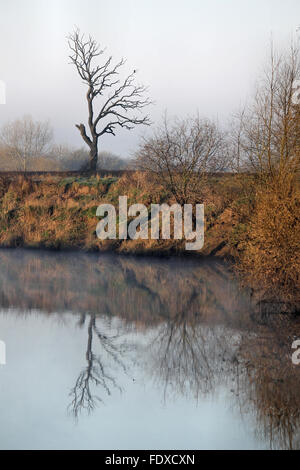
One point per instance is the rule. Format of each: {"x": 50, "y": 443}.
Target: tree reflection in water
{"x": 99, "y": 367}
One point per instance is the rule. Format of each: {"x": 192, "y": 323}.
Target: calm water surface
{"x": 108, "y": 352}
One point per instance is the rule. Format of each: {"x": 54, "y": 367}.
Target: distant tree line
{"x": 27, "y": 145}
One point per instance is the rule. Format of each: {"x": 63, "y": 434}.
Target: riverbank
{"x": 59, "y": 213}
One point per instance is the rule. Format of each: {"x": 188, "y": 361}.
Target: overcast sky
{"x": 194, "y": 55}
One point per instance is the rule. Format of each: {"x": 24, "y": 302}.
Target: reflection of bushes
{"x": 191, "y": 358}
{"x": 272, "y": 383}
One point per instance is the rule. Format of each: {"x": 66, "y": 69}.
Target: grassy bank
{"x": 60, "y": 212}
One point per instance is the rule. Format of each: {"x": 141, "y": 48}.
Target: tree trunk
{"x": 93, "y": 145}
{"x": 93, "y": 157}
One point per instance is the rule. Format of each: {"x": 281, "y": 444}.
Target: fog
{"x": 194, "y": 56}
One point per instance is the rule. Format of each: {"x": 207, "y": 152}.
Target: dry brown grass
{"x": 57, "y": 212}
{"x": 271, "y": 256}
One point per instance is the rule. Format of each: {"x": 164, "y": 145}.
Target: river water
{"x": 113, "y": 352}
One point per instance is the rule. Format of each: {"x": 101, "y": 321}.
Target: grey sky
{"x": 195, "y": 55}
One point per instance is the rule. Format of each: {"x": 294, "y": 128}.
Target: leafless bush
{"x": 180, "y": 154}
{"x": 25, "y": 139}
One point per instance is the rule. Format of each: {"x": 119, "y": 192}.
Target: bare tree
{"x": 235, "y": 140}
{"x": 182, "y": 153}
{"x": 270, "y": 136}
{"x": 25, "y": 139}
{"x": 117, "y": 108}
